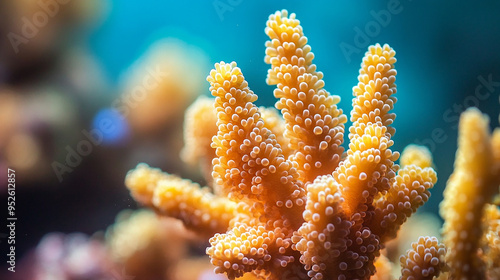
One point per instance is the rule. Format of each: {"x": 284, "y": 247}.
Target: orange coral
{"x": 149, "y": 247}
{"x": 172, "y": 196}
{"x": 383, "y": 266}
{"x": 491, "y": 241}
{"x": 314, "y": 125}
{"x": 367, "y": 169}
{"x": 251, "y": 167}
{"x": 425, "y": 260}
{"x": 471, "y": 186}
{"x": 161, "y": 84}
{"x": 301, "y": 210}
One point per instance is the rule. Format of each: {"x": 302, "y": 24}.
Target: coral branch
{"x": 245, "y": 248}
{"x": 324, "y": 235}
{"x": 416, "y": 155}
{"x": 469, "y": 188}
{"x": 199, "y": 128}
{"x": 276, "y": 124}
{"x": 491, "y": 241}
{"x": 142, "y": 181}
{"x": 172, "y": 196}
{"x": 424, "y": 261}
{"x": 409, "y": 191}
{"x": 368, "y": 168}
{"x": 199, "y": 209}
{"x": 314, "y": 124}
{"x": 250, "y": 164}
{"x": 251, "y": 167}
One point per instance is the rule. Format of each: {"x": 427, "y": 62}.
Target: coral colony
{"x": 287, "y": 202}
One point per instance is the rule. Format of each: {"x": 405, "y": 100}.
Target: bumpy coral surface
{"x": 424, "y": 260}
{"x": 469, "y": 228}
{"x": 299, "y": 207}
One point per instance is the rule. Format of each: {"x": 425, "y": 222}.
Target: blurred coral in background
{"x": 42, "y": 92}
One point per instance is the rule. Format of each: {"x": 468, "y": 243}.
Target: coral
{"x": 200, "y": 126}
{"x": 471, "y": 187}
{"x": 251, "y": 168}
{"x": 276, "y": 124}
{"x": 314, "y": 125}
{"x": 491, "y": 241}
{"x": 161, "y": 84}
{"x": 417, "y": 155}
{"x": 383, "y": 266}
{"x": 146, "y": 246}
{"x": 424, "y": 261}
{"x": 301, "y": 206}
{"x": 420, "y": 224}
{"x": 199, "y": 209}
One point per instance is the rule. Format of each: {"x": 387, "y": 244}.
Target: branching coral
{"x": 297, "y": 205}
{"x": 251, "y": 168}
{"x": 491, "y": 241}
{"x": 425, "y": 260}
{"x": 383, "y": 266}
{"x": 470, "y": 188}
{"x": 199, "y": 209}
{"x": 314, "y": 125}
{"x": 161, "y": 84}
{"x": 146, "y": 246}
{"x": 199, "y": 128}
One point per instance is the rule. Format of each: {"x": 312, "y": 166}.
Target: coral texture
{"x": 292, "y": 204}
{"x": 470, "y": 189}
{"x": 148, "y": 246}
{"x": 425, "y": 260}
{"x": 199, "y": 209}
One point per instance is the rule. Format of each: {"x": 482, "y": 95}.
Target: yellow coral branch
{"x": 324, "y": 235}
{"x": 199, "y": 209}
{"x": 172, "y": 196}
{"x": 368, "y": 168}
{"x": 247, "y": 248}
{"x": 491, "y": 240}
{"x": 416, "y": 155}
{"x": 251, "y": 168}
{"x": 384, "y": 267}
{"x": 199, "y": 127}
{"x": 250, "y": 163}
{"x": 142, "y": 181}
{"x": 424, "y": 261}
{"x": 469, "y": 188}
{"x": 276, "y": 124}
{"x": 409, "y": 191}
{"x": 314, "y": 124}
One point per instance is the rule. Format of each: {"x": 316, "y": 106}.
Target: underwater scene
{"x": 237, "y": 139}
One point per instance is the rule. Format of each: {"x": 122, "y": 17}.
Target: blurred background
{"x": 70, "y": 68}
